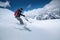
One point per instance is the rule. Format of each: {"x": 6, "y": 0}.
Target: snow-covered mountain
{"x": 40, "y": 30}
{"x": 54, "y": 14}
{"x": 49, "y": 11}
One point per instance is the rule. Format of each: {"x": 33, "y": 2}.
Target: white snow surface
{"x": 40, "y": 30}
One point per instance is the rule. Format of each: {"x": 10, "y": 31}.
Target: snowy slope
{"x": 41, "y": 30}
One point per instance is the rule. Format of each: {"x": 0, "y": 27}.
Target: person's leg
{"x": 20, "y": 20}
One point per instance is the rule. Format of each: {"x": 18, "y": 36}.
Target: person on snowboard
{"x": 17, "y": 15}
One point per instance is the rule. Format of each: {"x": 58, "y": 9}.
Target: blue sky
{"x": 26, "y": 4}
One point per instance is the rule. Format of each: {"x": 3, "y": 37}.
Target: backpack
{"x": 16, "y": 13}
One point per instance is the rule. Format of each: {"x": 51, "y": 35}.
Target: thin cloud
{"x": 29, "y": 6}
{"x": 4, "y": 4}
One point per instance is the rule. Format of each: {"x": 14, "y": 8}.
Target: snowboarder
{"x": 17, "y": 15}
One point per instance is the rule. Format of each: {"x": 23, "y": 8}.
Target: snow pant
{"x": 20, "y": 20}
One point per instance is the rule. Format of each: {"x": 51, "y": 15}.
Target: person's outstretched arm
{"x": 22, "y": 15}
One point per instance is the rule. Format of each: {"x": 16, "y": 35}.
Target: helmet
{"x": 21, "y": 8}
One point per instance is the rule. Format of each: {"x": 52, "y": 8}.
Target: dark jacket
{"x": 19, "y": 13}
